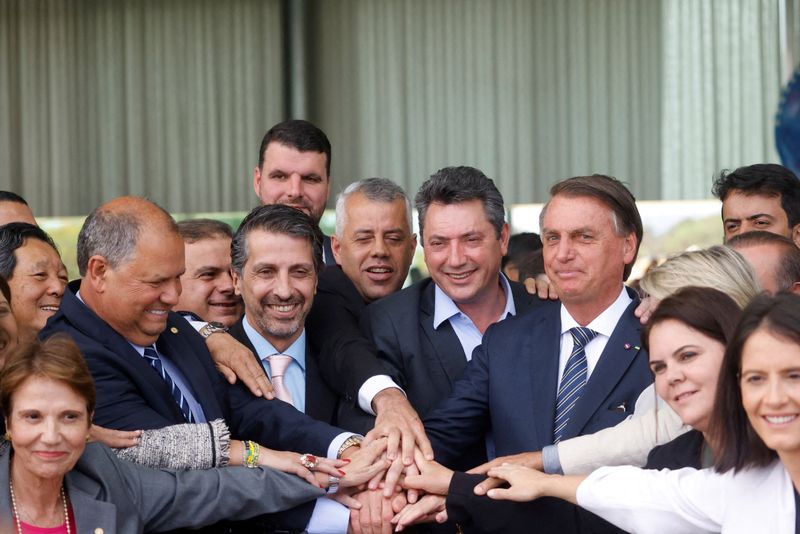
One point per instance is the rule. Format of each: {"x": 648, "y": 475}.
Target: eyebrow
{"x": 749, "y": 217}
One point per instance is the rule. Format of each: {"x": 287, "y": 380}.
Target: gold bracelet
{"x": 352, "y": 441}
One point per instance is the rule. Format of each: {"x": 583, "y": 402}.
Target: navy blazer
{"x": 427, "y": 362}
{"x": 131, "y": 396}
{"x": 511, "y": 383}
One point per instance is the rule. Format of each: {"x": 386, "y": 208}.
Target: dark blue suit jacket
{"x": 130, "y": 395}
{"x": 511, "y": 385}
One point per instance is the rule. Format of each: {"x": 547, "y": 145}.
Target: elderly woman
{"x": 756, "y": 429}
{"x": 50, "y": 478}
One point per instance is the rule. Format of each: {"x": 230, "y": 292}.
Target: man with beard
{"x": 276, "y": 257}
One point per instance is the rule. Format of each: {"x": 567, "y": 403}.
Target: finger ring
{"x": 309, "y": 461}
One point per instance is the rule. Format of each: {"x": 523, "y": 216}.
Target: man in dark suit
{"x": 275, "y": 256}
{"x": 151, "y": 368}
{"x": 570, "y": 368}
{"x": 426, "y": 333}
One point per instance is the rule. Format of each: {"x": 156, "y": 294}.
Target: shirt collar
{"x": 264, "y": 348}
{"x": 606, "y": 322}
{"x": 444, "y": 308}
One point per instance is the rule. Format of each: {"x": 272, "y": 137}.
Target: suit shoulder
{"x": 405, "y": 299}
{"x": 523, "y": 322}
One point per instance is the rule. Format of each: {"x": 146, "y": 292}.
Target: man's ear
{"x": 795, "y": 288}
{"x": 505, "y": 233}
{"x": 97, "y": 271}
{"x": 237, "y": 280}
{"x": 796, "y": 235}
{"x": 629, "y": 248}
{"x": 257, "y": 181}
{"x": 336, "y": 247}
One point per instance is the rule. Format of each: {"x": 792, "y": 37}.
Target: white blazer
{"x": 690, "y": 500}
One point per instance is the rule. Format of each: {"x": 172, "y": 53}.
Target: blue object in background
{"x": 787, "y": 125}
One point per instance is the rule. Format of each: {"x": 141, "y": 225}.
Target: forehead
{"x": 15, "y": 212}
{"x": 765, "y": 349}
{"x": 275, "y": 248}
{"x": 364, "y": 213}
{"x": 671, "y": 334}
{"x": 36, "y": 250}
{"x": 458, "y": 218}
{"x": 741, "y": 205}
{"x": 157, "y": 251}
{"x": 566, "y": 213}
{"x": 213, "y": 250}
{"x": 278, "y": 156}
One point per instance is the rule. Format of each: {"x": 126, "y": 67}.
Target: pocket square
{"x": 620, "y": 408}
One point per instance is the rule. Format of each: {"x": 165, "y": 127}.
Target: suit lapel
{"x": 613, "y": 364}
{"x": 447, "y": 348}
{"x": 91, "y": 513}
{"x": 543, "y": 345}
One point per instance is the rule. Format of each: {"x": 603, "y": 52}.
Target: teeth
{"x": 459, "y": 276}
{"x": 285, "y": 308}
{"x": 157, "y": 312}
{"x": 379, "y": 270}
{"x": 779, "y": 419}
{"x": 50, "y": 308}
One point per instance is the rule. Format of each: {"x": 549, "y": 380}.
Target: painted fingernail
{"x": 346, "y": 460}
{"x": 341, "y": 472}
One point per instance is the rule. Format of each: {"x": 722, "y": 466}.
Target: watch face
{"x": 216, "y": 325}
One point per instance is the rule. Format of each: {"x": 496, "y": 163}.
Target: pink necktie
{"x": 278, "y": 363}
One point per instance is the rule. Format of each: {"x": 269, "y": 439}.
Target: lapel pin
{"x": 174, "y": 330}
{"x": 628, "y": 346}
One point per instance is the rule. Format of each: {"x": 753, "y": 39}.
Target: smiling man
{"x": 426, "y": 333}
{"x": 32, "y": 266}
{"x": 207, "y": 286}
{"x": 568, "y": 368}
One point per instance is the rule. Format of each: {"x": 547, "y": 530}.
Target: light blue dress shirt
{"x": 295, "y": 376}
{"x": 469, "y": 336}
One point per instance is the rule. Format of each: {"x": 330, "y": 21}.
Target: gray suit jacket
{"x": 119, "y": 497}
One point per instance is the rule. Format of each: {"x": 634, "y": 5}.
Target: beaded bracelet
{"x": 250, "y": 454}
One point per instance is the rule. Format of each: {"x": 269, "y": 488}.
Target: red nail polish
{"x": 341, "y": 472}
{"x": 346, "y": 460}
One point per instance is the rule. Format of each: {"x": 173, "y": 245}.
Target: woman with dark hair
{"x": 755, "y": 427}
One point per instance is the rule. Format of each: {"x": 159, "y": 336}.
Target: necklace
{"x": 16, "y": 512}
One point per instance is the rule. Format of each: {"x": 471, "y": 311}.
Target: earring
{"x": 88, "y": 438}
{"x": 7, "y": 436}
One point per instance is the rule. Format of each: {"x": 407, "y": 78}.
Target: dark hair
{"x": 113, "y": 233}
{"x": 787, "y": 272}
{"x": 739, "y": 445}
{"x": 5, "y": 290}
{"x": 13, "y": 236}
{"x": 709, "y": 311}
{"x": 57, "y": 358}
{"x": 194, "y": 230}
{"x": 612, "y": 193}
{"x": 279, "y": 219}
{"x": 300, "y": 135}
{"x": 520, "y": 246}
{"x": 765, "y": 179}
{"x": 10, "y": 196}
{"x": 531, "y": 265}
{"x": 454, "y": 185}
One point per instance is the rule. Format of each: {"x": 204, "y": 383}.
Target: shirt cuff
{"x": 372, "y": 387}
{"x": 328, "y": 517}
{"x": 550, "y": 460}
{"x": 197, "y": 325}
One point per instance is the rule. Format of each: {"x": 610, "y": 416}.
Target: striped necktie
{"x": 153, "y": 359}
{"x": 573, "y": 379}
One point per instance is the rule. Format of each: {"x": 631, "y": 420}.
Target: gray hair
{"x": 113, "y": 235}
{"x": 375, "y": 189}
{"x": 454, "y": 185}
{"x": 279, "y": 219}
{"x": 787, "y": 271}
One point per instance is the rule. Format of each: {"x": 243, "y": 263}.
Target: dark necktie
{"x": 151, "y": 356}
{"x": 573, "y": 379}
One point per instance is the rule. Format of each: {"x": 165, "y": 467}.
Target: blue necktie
{"x": 151, "y": 356}
{"x": 573, "y": 379}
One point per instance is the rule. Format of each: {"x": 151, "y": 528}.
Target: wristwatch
{"x": 211, "y": 328}
{"x": 349, "y": 442}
